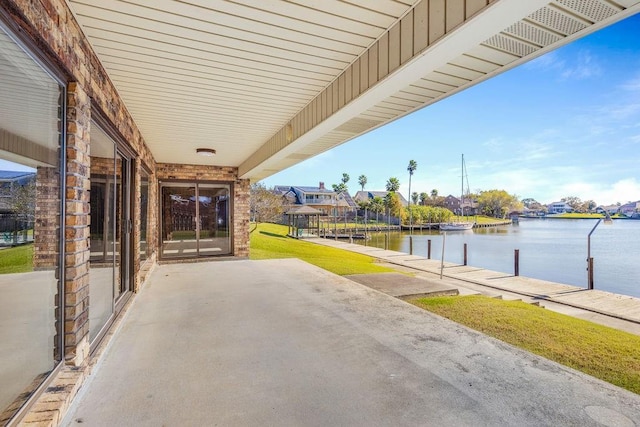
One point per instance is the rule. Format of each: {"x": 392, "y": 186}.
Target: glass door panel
{"x": 110, "y": 261}
{"x": 102, "y": 260}
{"x": 214, "y": 220}
{"x": 144, "y": 206}
{"x": 179, "y": 224}
{"x": 195, "y": 220}
{"x": 122, "y": 226}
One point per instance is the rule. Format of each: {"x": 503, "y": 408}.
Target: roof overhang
{"x": 268, "y": 84}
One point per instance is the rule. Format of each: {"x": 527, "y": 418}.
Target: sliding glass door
{"x": 110, "y": 229}
{"x": 195, "y": 220}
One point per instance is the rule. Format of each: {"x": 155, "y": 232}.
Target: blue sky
{"x": 564, "y": 124}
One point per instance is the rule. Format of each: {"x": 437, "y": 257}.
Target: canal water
{"x": 550, "y": 249}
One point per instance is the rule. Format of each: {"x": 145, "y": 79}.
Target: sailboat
{"x": 459, "y": 225}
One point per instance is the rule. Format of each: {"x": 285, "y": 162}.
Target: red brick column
{"x": 76, "y": 263}
{"x": 241, "y": 211}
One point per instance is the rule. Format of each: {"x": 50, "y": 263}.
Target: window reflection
{"x": 144, "y": 206}
{"x": 29, "y": 226}
{"x": 195, "y": 220}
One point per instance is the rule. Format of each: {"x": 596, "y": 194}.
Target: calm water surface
{"x": 550, "y": 249}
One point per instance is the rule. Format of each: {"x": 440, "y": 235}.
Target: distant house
{"x": 453, "y": 204}
{"x": 611, "y": 209}
{"x": 325, "y": 200}
{"x": 558, "y": 208}
{"x": 368, "y": 195}
{"x": 630, "y": 208}
{"x": 9, "y": 180}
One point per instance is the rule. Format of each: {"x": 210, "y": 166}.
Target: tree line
{"x": 422, "y": 207}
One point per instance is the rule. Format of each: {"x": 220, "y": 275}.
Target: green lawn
{"x": 480, "y": 219}
{"x": 16, "y": 260}
{"x": 269, "y": 241}
{"x": 599, "y": 351}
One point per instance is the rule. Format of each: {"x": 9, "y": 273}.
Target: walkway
{"x": 618, "y": 311}
{"x": 284, "y": 343}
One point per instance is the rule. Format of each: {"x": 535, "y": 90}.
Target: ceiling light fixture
{"x": 207, "y": 152}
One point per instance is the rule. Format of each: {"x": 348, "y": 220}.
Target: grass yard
{"x": 270, "y": 241}
{"x": 599, "y": 351}
{"x": 16, "y": 260}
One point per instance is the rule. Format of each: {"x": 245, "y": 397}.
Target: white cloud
{"x": 624, "y": 190}
{"x": 493, "y": 144}
{"x": 583, "y": 66}
{"x": 632, "y": 84}
{"x": 548, "y": 62}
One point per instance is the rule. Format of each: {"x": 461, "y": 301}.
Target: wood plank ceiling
{"x": 265, "y": 82}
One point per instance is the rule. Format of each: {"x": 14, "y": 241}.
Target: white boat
{"x": 459, "y": 225}
{"x": 456, "y": 226}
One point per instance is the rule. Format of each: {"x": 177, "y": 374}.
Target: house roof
{"x": 15, "y": 175}
{"x": 305, "y": 189}
{"x": 348, "y": 199}
{"x": 303, "y": 210}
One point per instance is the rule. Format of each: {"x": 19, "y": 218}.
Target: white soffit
{"x": 226, "y": 74}
{"x": 230, "y": 75}
{"x": 544, "y": 28}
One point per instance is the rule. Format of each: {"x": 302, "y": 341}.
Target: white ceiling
{"x": 229, "y": 75}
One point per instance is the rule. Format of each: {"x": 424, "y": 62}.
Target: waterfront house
{"x": 630, "y": 208}
{"x": 327, "y": 201}
{"x": 559, "y": 208}
{"x": 453, "y": 203}
{"x": 611, "y": 209}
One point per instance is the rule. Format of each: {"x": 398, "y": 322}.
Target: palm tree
{"x": 423, "y": 198}
{"x": 413, "y": 165}
{"x": 393, "y": 184}
{"x": 377, "y": 206}
{"x": 362, "y": 180}
{"x": 414, "y": 197}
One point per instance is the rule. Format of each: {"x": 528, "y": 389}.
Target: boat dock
{"x": 614, "y": 310}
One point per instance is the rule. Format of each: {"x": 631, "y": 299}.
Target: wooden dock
{"x": 623, "y": 308}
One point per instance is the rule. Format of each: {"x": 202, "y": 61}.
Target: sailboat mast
{"x": 462, "y": 188}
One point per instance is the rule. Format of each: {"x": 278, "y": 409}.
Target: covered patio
{"x": 281, "y": 342}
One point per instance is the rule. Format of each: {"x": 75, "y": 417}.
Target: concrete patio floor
{"x": 281, "y": 342}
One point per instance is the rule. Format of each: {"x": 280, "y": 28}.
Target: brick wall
{"x": 53, "y": 29}
{"x": 240, "y": 188}
{"x": 46, "y": 230}
{"x": 77, "y": 225}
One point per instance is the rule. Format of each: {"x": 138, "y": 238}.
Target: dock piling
{"x": 465, "y": 254}
{"x": 516, "y": 262}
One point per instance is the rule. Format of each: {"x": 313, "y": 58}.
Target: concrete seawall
{"x": 622, "y": 311}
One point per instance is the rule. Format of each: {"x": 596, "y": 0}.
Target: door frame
{"x": 195, "y": 182}
{"x": 121, "y": 149}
